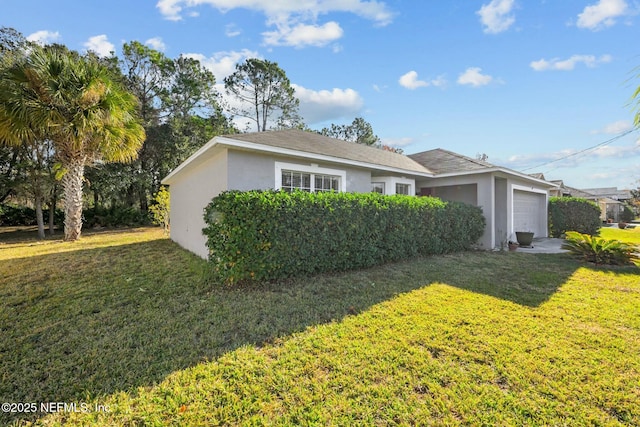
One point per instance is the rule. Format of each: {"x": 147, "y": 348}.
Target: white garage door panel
{"x": 528, "y": 211}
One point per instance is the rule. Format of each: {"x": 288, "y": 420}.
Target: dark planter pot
{"x": 524, "y": 238}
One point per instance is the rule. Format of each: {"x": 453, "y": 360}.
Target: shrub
{"x": 15, "y": 215}
{"x": 265, "y": 235}
{"x": 573, "y": 214}
{"x": 601, "y": 251}
{"x": 114, "y": 217}
{"x": 627, "y": 214}
{"x": 159, "y": 210}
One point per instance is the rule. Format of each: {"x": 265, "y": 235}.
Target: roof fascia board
{"x": 206, "y": 147}
{"x": 312, "y": 156}
{"x": 498, "y": 169}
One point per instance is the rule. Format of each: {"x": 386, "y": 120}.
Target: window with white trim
{"x": 403, "y": 188}
{"x": 377, "y": 187}
{"x": 292, "y": 180}
{"x": 290, "y": 177}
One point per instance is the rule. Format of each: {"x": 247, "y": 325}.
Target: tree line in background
{"x": 103, "y": 132}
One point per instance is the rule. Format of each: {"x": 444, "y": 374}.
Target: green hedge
{"x": 265, "y": 235}
{"x": 627, "y": 214}
{"x": 114, "y": 217}
{"x": 15, "y": 215}
{"x": 573, "y": 214}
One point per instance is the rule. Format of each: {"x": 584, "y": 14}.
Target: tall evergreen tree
{"x": 264, "y": 94}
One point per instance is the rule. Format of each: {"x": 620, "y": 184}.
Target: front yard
{"x": 124, "y": 326}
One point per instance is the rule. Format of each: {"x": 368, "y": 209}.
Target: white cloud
{"x": 398, "y": 142}
{"x": 571, "y": 157}
{"x": 295, "y": 21}
{"x": 231, "y": 30}
{"x": 602, "y": 14}
{"x": 323, "y": 105}
{"x": 44, "y": 37}
{"x": 223, "y": 64}
{"x": 100, "y": 45}
{"x": 473, "y": 77}
{"x": 156, "y": 43}
{"x": 569, "y": 64}
{"x": 496, "y": 16}
{"x": 410, "y": 81}
{"x": 281, "y": 10}
{"x": 304, "y": 35}
{"x": 613, "y": 151}
{"x": 614, "y": 128}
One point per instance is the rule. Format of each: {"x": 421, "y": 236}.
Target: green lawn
{"x": 630, "y": 235}
{"x": 125, "y": 320}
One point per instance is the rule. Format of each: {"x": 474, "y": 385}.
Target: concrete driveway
{"x": 544, "y": 245}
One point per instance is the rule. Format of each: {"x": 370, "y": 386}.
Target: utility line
{"x": 623, "y": 134}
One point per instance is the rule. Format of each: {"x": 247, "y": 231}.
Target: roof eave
{"x": 252, "y": 146}
{"x": 191, "y": 159}
{"x": 497, "y": 169}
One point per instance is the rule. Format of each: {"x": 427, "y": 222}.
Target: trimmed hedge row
{"x": 266, "y": 235}
{"x": 573, "y": 214}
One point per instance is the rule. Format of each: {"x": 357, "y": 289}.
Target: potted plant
{"x": 525, "y": 238}
{"x": 513, "y": 246}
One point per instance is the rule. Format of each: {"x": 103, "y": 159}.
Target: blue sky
{"x": 527, "y": 82}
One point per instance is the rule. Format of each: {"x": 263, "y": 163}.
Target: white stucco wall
{"x": 190, "y": 193}
{"x": 501, "y": 212}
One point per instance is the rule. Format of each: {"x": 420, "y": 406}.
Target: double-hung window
{"x": 290, "y": 177}
{"x": 293, "y": 180}
{"x": 403, "y": 188}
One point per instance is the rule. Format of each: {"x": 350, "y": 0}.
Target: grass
{"x": 629, "y": 235}
{"x": 126, "y": 320}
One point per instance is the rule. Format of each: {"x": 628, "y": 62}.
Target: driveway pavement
{"x": 544, "y": 246}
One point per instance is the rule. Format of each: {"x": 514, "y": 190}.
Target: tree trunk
{"x": 39, "y": 217}
{"x": 52, "y": 210}
{"x": 72, "y": 189}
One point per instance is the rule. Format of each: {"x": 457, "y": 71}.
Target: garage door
{"x": 529, "y": 212}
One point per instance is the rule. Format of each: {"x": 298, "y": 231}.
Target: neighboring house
{"x": 294, "y": 159}
{"x": 607, "y": 199}
{"x": 611, "y": 201}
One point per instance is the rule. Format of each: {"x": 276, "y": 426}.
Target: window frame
{"x": 312, "y": 170}
{"x": 382, "y": 186}
{"x": 405, "y": 185}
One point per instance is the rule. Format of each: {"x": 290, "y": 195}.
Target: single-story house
{"x": 295, "y": 159}
{"x": 607, "y": 199}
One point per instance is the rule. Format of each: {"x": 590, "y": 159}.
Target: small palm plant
{"x": 601, "y": 251}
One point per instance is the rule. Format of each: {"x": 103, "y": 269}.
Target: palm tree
{"x": 50, "y": 93}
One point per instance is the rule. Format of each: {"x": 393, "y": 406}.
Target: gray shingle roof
{"x": 611, "y": 192}
{"x": 442, "y": 161}
{"x": 310, "y": 142}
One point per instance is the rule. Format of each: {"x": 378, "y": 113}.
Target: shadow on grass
{"x": 84, "y": 324}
